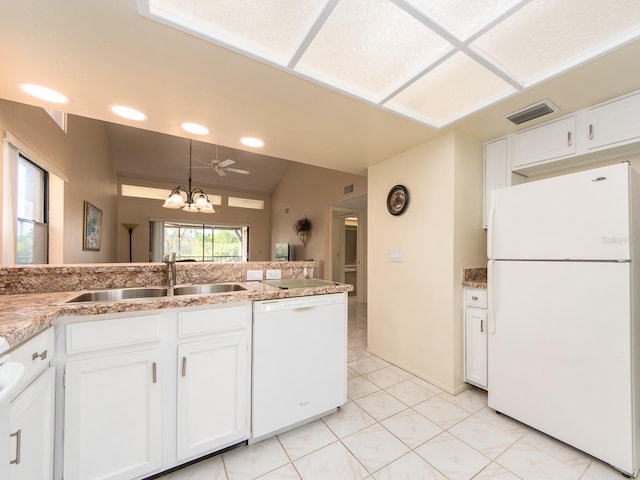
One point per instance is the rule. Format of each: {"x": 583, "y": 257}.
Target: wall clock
{"x": 397, "y": 200}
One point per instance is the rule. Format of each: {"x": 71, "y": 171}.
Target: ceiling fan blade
{"x": 219, "y": 171}
{"x": 226, "y": 163}
{"x": 237, "y": 170}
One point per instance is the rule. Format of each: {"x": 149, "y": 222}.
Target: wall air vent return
{"x": 532, "y": 112}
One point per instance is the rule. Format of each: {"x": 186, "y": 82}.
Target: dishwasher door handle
{"x": 303, "y": 309}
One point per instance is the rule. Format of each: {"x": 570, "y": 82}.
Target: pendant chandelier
{"x": 197, "y": 200}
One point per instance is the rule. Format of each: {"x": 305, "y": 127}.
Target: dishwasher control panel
{"x": 298, "y": 302}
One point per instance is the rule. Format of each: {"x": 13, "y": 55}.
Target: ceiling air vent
{"x": 532, "y": 112}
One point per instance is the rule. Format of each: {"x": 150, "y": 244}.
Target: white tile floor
{"x": 399, "y": 427}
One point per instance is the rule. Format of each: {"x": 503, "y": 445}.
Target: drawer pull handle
{"x": 590, "y": 132}
{"x": 41, "y": 356}
{"x": 474, "y": 298}
{"x": 154, "y": 372}
{"x": 18, "y": 436}
{"x": 568, "y": 139}
{"x": 184, "y": 366}
{"x": 481, "y": 326}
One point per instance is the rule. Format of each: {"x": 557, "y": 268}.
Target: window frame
{"x": 40, "y": 226}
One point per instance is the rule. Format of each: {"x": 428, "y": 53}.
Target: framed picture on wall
{"x": 92, "y": 227}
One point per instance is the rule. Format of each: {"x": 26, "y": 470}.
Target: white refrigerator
{"x": 564, "y": 331}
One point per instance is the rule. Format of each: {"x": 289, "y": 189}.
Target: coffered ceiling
{"x": 342, "y": 84}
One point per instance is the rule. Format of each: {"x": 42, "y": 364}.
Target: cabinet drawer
{"x": 475, "y": 298}
{"x": 112, "y": 333}
{"x": 212, "y": 320}
{"x": 35, "y": 354}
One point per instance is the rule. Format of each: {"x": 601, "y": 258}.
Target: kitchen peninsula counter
{"x": 23, "y": 315}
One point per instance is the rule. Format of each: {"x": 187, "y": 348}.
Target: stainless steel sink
{"x": 118, "y": 294}
{"x": 208, "y": 288}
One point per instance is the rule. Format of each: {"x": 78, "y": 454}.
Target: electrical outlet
{"x": 254, "y": 275}
{"x": 273, "y": 275}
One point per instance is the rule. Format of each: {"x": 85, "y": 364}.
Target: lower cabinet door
{"x": 31, "y": 418}
{"x": 213, "y": 395}
{"x": 476, "y": 346}
{"x": 112, "y": 425}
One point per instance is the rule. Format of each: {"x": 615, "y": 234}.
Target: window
{"x": 31, "y": 229}
{"x": 204, "y": 243}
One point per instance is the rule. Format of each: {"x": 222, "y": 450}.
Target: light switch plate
{"x": 254, "y": 275}
{"x": 395, "y": 255}
{"x": 273, "y": 274}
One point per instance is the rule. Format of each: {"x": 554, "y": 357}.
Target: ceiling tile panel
{"x": 369, "y": 48}
{"x": 547, "y": 37}
{"x": 456, "y": 88}
{"x": 463, "y": 18}
{"x": 268, "y": 29}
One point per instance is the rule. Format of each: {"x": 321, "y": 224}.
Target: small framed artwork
{"x": 92, "y": 227}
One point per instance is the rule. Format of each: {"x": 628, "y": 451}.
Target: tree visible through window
{"x": 206, "y": 243}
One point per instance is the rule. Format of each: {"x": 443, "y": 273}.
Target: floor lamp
{"x": 130, "y": 227}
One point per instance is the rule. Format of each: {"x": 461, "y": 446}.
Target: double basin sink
{"x": 118, "y": 294}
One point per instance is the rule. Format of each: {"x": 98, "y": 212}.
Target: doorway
{"x": 347, "y": 259}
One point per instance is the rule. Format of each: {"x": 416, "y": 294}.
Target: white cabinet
{"x": 212, "y": 394}
{"x": 614, "y": 122}
{"x": 112, "y": 427}
{"x": 546, "y": 142}
{"x": 475, "y": 337}
{"x": 147, "y": 392}
{"x": 31, "y": 418}
{"x": 603, "y": 132}
{"x": 213, "y": 378}
{"x": 497, "y": 172}
{"x": 31, "y": 412}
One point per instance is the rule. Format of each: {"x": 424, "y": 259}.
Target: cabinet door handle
{"x": 42, "y": 355}
{"x": 568, "y": 139}
{"x": 474, "y": 298}
{"x": 481, "y": 326}
{"x": 184, "y": 366}
{"x": 154, "y": 372}
{"x": 18, "y": 435}
{"x": 590, "y": 131}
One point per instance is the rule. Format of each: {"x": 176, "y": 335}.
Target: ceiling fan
{"x": 221, "y": 166}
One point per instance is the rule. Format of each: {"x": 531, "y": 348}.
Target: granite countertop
{"x": 474, "y": 277}
{"x": 22, "y": 316}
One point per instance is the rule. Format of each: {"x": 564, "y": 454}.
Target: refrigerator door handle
{"x": 491, "y": 321}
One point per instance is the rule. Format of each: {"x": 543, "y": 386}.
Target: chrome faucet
{"x": 170, "y": 260}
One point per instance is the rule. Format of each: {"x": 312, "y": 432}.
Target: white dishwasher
{"x": 299, "y": 361}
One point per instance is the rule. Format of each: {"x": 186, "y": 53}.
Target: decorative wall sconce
{"x": 303, "y": 229}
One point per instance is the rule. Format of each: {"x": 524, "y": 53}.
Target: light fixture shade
{"x": 190, "y": 207}
{"x": 208, "y": 208}
{"x": 201, "y": 201}
{"x": 171, "y": 203}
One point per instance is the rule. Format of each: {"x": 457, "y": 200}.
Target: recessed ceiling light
{"x": 128, "y": 113}
{"x": 44, "y": 93}
{"x": 194, "y": 128}
{"x": 252, "y": 142}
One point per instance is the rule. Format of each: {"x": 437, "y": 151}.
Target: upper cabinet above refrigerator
{"x": 608, "y": 131}
{"x": 614, "y": 122}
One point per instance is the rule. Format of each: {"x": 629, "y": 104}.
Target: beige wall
{"x": 415, "y": 308}
{"x": 81, "y": 155}
{"x": 141, "y": 211}
{"x": 308, "y": 191}
{"x": 92, "y": 178}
